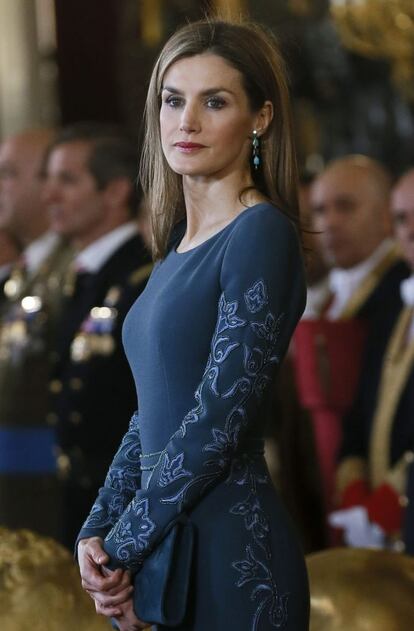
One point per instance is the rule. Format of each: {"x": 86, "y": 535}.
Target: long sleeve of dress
{"x": 121, "y": 484}
{"x": 262, "y": 298}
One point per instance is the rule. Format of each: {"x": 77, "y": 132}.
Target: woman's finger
{"x": 109, "y": 612}
{"x": 112, "y": 601}
{"x": 92, "y": 579}
{"x": 92, "y": 548}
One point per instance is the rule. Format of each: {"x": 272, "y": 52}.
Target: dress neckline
{"x": 216, "y": 234}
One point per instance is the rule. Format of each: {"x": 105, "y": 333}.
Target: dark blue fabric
{"x": 204, "y": 342}
{"x": 408, "y": 524}
{"x": 25, "y": 451}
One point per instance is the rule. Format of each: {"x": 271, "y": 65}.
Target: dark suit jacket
{"x": 408, "y": 526}
{"x": 381, "y": 312}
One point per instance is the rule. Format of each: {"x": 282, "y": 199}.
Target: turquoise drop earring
{"x": 256, "y": 150}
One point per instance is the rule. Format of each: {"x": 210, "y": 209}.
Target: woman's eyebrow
{"x": 207, "y": 92}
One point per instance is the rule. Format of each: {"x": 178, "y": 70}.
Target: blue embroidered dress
{"x": 204, "y": 341}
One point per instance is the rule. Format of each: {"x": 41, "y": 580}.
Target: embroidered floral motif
{"x": 134, "y": 422}
{"x": 251, "y": 569}
{"x": 223, "y": 441}
{"x": 172, "y": 470}
{"x": 121, "y": 482}
{"x": 227, "y": 315}
{"x": 269, "y": 330}
{"x": 131, "y": 540}
{"x": 222, "y": 348}
{"x": 140, "y": 508}
{"x": 98, "y": 517}
{"x": 224, "y": 444}
{"x": 256, "y": 297}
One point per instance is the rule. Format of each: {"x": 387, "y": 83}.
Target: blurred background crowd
{"x": 75, "y": 254}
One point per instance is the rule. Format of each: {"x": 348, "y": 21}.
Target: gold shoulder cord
{"x": 397, "y": 365}
{"x": 141, "y": 274}
{"x": 368, "y": 285}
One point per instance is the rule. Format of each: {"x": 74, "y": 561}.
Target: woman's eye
{"x": 173, "y": 101}
{"x": 215, "y": 102}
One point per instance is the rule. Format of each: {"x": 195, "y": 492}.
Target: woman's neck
{"x": 212, "y": 204}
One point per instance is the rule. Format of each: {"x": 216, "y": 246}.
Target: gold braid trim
{"x": 397, "y": 476}
{"x": 350, "y": 470}
{"x": 370, "y": 282}
{"x": 397, "y": 365}
{"x": 140, "y": 274}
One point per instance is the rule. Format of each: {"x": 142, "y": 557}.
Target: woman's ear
{"x": 264, "y": 118}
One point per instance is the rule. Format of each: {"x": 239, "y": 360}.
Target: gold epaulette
{"x": 139, "y": 275}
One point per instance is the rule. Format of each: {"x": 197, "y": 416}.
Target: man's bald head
{"x": 350, "y": 205}
{"x": 402, "y": 211}
{"x": 22, "y": 210}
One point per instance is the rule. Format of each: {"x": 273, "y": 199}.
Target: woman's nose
{"x": 189, "y": 122}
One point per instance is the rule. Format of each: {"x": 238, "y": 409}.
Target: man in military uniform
{"x": 350, "y": 209}
{"x": 92, "y": 199}
{"x": 30, "y": 305}
{"x": 376, "y": 475}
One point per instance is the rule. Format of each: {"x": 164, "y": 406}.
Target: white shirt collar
{"x": 317, "y": 296}
{"x": 39, "y": 250}
{"x": 407, "y": 295}
{"x": 95, "y": 255}
{"x": 344, "y": 282}
{"x": 407, "y": 291}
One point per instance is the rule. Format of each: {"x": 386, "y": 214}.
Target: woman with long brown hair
{"x": 204, "y": 342}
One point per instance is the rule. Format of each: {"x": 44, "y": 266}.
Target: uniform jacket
{"x": 363, "y": 423}
{"x": 91, "y": 386}
{"x": 92, "y": 393}
{"x": 30, "y": 308}
{"x": 381, "y": 311}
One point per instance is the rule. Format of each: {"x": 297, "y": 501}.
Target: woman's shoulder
{"x": 263, "y": 220}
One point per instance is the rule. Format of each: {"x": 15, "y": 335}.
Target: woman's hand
{"x": 128, "y": 621}
{"x": 108, "y": 589}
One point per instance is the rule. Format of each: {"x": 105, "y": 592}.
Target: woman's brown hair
{"x": 254, "y": 52}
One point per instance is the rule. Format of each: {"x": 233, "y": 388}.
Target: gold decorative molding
{"x": 380, "y": 29}
{"x": 230, "y": 8}
{"x": 151, "y": 21}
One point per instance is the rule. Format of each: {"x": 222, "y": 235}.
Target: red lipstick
{"x": 188, "y": 146}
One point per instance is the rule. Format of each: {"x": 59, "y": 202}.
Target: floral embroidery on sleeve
{"x": 172, "y": 469}
{"x": 121, "y": 483}
{"x": 256, "y": 297}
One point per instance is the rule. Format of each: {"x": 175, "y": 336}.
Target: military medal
{"x": 14, "y": 284}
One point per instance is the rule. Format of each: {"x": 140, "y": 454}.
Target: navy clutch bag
{"x": 162, "y": 585}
